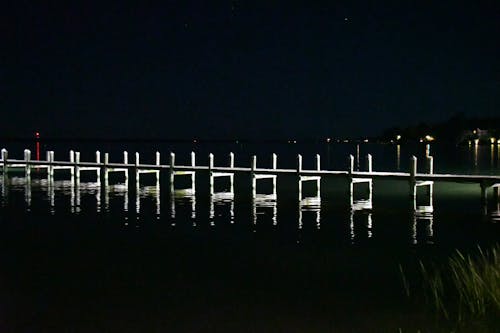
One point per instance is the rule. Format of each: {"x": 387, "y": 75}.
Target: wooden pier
{"x": 102, "y": 168}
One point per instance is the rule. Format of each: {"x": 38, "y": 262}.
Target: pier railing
{"x": 102, "y": 167}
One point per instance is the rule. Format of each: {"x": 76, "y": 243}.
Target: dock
{"x": 101, "y": 168}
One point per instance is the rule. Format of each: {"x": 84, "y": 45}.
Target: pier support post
{"x": 137, "y": 174}
{"x": 350, "y": 170}
{"x": 50, "y": 155}
{"x": 231, "y": 177}
{"x": 430, "y": 171}
{"x": 172, "y": 173}
{"x": 275, "y": 166}
{"x": 125, "y": 162}
{"x": 413, "y": 181}
{"x": 369, "y": 164}
{"x": 210, "y": 172}
{"x": 98, "y": 161}
{"x": 106, "y": 171}
{"x": 72, "y": 161}
{"x": 27, "y": 159}
{"x": 299, "y": 170}
{"x": 77, "y": 167}
{"x": 5, "y": 156}
{"x": 193, "y": 163}
{"x": 158, "y": 163}
{"x": 318, "y": 181}
{"x": 253, "y": 167}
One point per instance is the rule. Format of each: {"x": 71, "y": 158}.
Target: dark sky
{"x": 234, "y": 69}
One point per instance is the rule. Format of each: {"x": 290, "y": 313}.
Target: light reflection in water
{"x": 116, "y": 190}
{"x": 183, "y": 197}
{"x": 422, "y": 226}
{"x": 148, "y": 191}
{"x": 360, "y": 208}
{"x": 221, "y": 199}
{"x": 262, "y": 202}
{"x": 310, "y": 204}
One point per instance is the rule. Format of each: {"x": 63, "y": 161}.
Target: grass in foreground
{"x": 465, "y": 289}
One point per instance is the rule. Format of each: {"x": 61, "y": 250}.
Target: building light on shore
{"x": 493, "y": 140}
{"x": 398, "y": 137}
{"x": 328, "y": 139}
{"x": 429, "y": 138}
{"x": 476, "y": 141}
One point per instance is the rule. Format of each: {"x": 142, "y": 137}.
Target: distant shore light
{"x": 398, "y": 137}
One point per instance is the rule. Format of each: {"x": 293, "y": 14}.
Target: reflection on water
{"x": 261, "y": 203}
{"x": 78, "y": 197}
{"x": 148, "y": 191}
{"x": 312, "y": 205}
{"x": 218, "y": 201}
{"x": 185, "y": 198}
{"x": 422, "y": 226}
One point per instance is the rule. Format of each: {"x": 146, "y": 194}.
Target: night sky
{"x": 234, "y": 69}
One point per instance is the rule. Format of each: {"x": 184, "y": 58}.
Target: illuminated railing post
{"x": 369, "y": 166}
{"x": 193, "y": 163}
{"x": 125, "y": 161}
{"x": 299, "y": 170}
{"x": 27, "y": 159}
{"x": 413, "y": 180}
{"x": 231, "y": 176}
{"x": 137, "y": 174}
{"x": 98, "y": 170}
{"x": 210, "y": 172}
{"x": 158, "y": 163}
{"x": 275, "y": 166}
{"x": 172, "y": 173}
{"x": 253, "y": 167}
{"x": 350, "y": 170}
{"x": 5, "y": 155}
{"x": 51, "y": 164}
{"x": 106, "y": 171}
{"x": 72, "y": 161}
{"x": 77, "y": 167}
{"x": 430, "y": 171}
{"x": 318, "y": 181}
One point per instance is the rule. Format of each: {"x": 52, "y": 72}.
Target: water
{"x": 82, "y": 259}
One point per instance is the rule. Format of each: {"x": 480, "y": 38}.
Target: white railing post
{"x": 172, "y": 172}
{"x": 137, "y": 174}
{"x": 105, "y": 170}
{"x": 275, "y": 166}
{"x": 27, "y": 159}
{"x": 351, "y": 164}
{"x": 210, "y": 173}
{"x": 253, "y": 167}
{"x": 413, "y": 174}
{"x": 193, "y": 163}
{"x": 369, "y": 162}
{"x": 158, "y": 160}
{"x": 5, "y": 155}
{"x": 98, "y": 157}
{"x": 299, "y": 169}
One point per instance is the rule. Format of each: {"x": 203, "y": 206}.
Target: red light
{"x": 37, "y": 134}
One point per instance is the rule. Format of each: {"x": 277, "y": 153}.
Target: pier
{"x": 101, "y": 168}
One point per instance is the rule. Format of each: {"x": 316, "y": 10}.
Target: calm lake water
{"x": 88, "y": 260}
